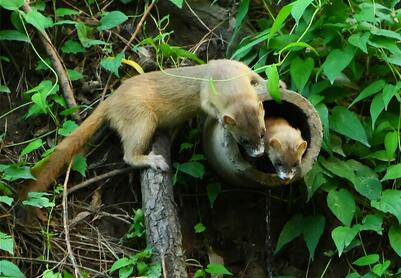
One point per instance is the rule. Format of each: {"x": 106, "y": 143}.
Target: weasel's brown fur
{"x": 284, "y": 146}
{"x": 223, "y": 89}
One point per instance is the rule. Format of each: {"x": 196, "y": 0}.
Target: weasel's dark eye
{"x": 254, "y": 82}
{"x": 278, "y": 163}
{"x": 244, "y": 141}
{"x": 262, "y": 135}
{"x": 294, "y": 165}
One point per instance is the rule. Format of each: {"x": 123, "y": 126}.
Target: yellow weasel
{"x": 284, "y": 147}
{"x": 224, "y": 89}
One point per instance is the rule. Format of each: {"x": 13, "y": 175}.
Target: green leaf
{"x": 154, "y": 271}
{"x": 34, "y": 145}
{"x": 13, "y": 35}
{"x": 313, "y": 180}
{"x": 393, "y": 172}
{"x": 342, "y": 237}
{"x": 60, "y": 12}
{"x": 213, "y": 190}
{"x": 380, "y": 269}
{"x": 111, "y": 20}
{"x": 194, "y": 169}
{"x": 83, "y": 32}
{"x": 313, "y": 231}
{"x": 291, "y": 230}
{"x": 353, "y": 275}
{"x": 394, "y": 235}
{"x": 112, "y": 64}
{"x": 376, "y": 107}
{"x": 394, "y": 59}
{"x": 4, "y": 89}
{"x": 386, "y": 33}
{"x": 370, "y": 90}
{"x": 125, "y": 272}
{"x": 360, "y": 41}
{"x": 50, "y": 274}
{"x": 38, "y": 20}
{"x": 74, "y": 74}
{"x": 342, "y": 205}
{"x": 6, "y": 243}
{"x": 366, "y": 260}
{"x": 336, "y": 62}
{"x": 38, "y": 200}
{"x": 15, "y": 172}
{"x": 389, "y": 92}
{"x": 372, "y": 222}
{"x": 385, "y": 43}
{"x": 217, "y": 269}
{"x": 67, "y": 128}
{"x": 273, "y": 83}
{"x": 7, "y": 268}
{"x": 278, "y": 22}
{"x": 73, "y": 47}
{"x": 390, "y": 201}
{"x": 42, "y": 65}
{"x": 79, "y": 164}
{"x": 40, "y": 105}
{"x": 324, "y": 116}
{"x": 347, "y": 123}
{"x": 120, "y": 263}
{"x": 241, "y": 14}
{"x": 391, "y": 143}
{"x": 298, "y": 9}
{"x": 6, "y": 200}
{"x": 199, "y": 228}
{"x": 178, "y": 3}
{"x": 197, "y": 157}
{"x": 11, "y": 4}
{"x": 362, "y": 177}
{"x": 200, "y": 273}
{"x": 300, "y": 71}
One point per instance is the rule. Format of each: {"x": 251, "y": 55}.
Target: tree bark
{"x": 163, "y": 230}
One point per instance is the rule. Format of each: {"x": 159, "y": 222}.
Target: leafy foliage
{"x": 342, "y": 57}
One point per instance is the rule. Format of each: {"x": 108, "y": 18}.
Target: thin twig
{"x": 65, "y": 82}
{"x": 98, "y": 178}
{"x": 65, "y": 223}
{"x": 148, "y": 8}
{"x": 34, "y": 260}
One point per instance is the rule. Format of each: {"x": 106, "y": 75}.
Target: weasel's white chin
{"x": 256, "y": 152}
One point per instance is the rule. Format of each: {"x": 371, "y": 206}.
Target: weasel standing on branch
{"x": 224, "y": 89}
{"x": 284, "y": 147}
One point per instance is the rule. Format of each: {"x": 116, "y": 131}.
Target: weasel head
{"x": 286, "y": 154}
{"x": 245, "y": 121}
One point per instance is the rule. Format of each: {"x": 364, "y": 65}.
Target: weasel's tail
{"x": 47, "y": 172}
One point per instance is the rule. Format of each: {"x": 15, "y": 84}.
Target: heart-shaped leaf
{"x": 300, "y": 71}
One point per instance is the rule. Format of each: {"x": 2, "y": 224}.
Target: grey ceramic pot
{"x": 231, "y": 163}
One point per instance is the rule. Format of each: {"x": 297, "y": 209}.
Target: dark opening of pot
{"x": 295, "y": 117}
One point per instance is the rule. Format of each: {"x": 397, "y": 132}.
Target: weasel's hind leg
{"x": 136, "y": 139}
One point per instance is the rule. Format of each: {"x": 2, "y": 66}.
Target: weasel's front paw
{"x": 157, "y": 162}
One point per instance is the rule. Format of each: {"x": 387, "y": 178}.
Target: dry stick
{"x": 65, "y": 224}
{"x": 137, "y": 29}
{"x": 65, "y": 82}
{"x": 98, "y": 178}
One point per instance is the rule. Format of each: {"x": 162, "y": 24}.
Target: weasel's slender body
{"x": 224, "y": 89}
{"x": 284, "y": 146}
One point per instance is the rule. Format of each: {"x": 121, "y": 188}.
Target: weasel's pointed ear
{"x": 228, "y": 120}
{"x": 302, "y": 148}
{"x": 275, "y": 144}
